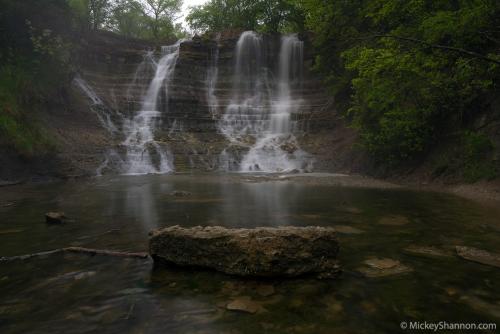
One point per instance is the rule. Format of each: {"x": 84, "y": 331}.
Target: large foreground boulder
{"x": 261, "y": 252}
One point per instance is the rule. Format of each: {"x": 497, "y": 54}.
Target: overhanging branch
{"x": 437, "y": 46}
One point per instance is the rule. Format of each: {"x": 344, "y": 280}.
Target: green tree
{"x": 162, "y": 13}
{"x": 260, "y": 15}
{"x": 127, "y": 18}
{"x": 98, "y": 12}
{"x": 409, "y": 72}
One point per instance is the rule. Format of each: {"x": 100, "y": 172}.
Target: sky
{"x": 185, "y": 10}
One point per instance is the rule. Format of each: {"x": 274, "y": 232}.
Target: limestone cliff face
{"x": 189, "y": 120}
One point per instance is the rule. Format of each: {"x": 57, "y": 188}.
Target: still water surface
{"x": 80, "y": 294}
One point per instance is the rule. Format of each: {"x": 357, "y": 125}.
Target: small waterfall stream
{"x": 212, "y": 76}
{"x": 96, "y": 105}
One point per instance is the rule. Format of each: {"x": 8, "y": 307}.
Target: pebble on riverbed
{"x": 376, "y": 267}
{"x": 265, "y": 290}
{"x": 244, "y": 304}
{"x": 394, "y": 220}
{"x": 180, "y": 193}
{"x": 55, "y": 218}
{"x": 346, "y": 229}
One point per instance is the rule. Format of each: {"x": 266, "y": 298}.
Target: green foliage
{"x": 34, "y": 66}
{"x": 410, "y": 71}
{"x": 146, "y": 19}
{"x": 18, "y": 129}
{"x": 259, "y": 15}
{"x": 478, "y": 163}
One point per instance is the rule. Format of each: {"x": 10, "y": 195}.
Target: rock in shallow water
{"x": 261, "y": 252}
{"x": 378, "y": 267}
{"x": 244, "y": 304}
{"x": 55, "y": 218}
{"x": 479, "y": 256}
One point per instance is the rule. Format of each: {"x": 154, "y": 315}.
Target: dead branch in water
{"x": 75, "y": 250}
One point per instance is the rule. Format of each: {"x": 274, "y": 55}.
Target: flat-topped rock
{"x": 261, "y": 252}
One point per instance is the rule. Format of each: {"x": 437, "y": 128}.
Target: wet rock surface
{"x": 394, "y": 220}
{"x": 381, "y": 267}
{"x": 346, "y": 229}
{"x": 243, "y": 304}
{"x": 427, "y": 251}
{"x": 180, "y": 193}
{"x": 55, "y": 218}
{"x": 259, "y": 252}
{"x": 479, "y": 256}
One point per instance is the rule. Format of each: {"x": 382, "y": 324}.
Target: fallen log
{"x": 75, "y": 250}
{"x": 261, "y": 252}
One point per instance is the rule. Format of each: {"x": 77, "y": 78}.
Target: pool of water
{"x": 82, "y": 294}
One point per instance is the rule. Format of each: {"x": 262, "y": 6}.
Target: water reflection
{"x": 140, "y": 202}
{"x": 257, "y": 204}
{"x": 84, "y": 295}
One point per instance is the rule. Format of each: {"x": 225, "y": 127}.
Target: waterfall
{"x": 246, "y": 111}
{"x": 212, "y": 76}
{"x": 96, "y": 105}
{"x": 259, "y": 115}
{"x": 141, "y": 146}
{"x": 139, "y": 151}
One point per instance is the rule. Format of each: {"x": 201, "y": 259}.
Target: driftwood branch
{"x": 76, "y": 250}
{"x": 437, "y": 46}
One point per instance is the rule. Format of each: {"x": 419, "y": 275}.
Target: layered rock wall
{"x": 189, "y": 123}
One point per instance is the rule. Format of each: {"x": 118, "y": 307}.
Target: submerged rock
{"x": 481, "y": 305}
{"x": 376, "y": 267}
{"x": 55, "y": 218}
{"x": 244, "y": 304}
{"x": 180, "y": 193}
{"x": 260, "y": 252}
{"x": 265, "y": 290}
{"x": 479, "y": 256}
{"x": 346, "y": 229}
{"x": 394, "y": 220}
{"x": 426, "y": 251}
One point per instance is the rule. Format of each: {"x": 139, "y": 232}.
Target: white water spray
{"x": 139, "y": 131}
{"x": 212, "y": 76}
{"x": 259, "y": 115}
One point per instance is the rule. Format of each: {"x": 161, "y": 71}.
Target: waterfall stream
{"x": 139, "y": 152}
{"x": 96, "y": 105}
{"x": 212, "y": 76}
{"x": 140, "y": 143}
{"x": 256, "y": 111}
{"x": 259, "y": 115}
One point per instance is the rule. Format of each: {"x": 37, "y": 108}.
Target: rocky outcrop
{"x": 260, "y": 252}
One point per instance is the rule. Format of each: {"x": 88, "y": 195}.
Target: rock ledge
{"x": 261, "y": 252}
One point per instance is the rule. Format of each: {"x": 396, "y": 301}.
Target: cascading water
{"x": 259, "y": 114}
{"x": 212, "y": 76}
{"x": 141, "y": 153}
{"x": 246, "y": 111}
{"x": 140, "y": 143}
{"x": 97, "y": 106}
